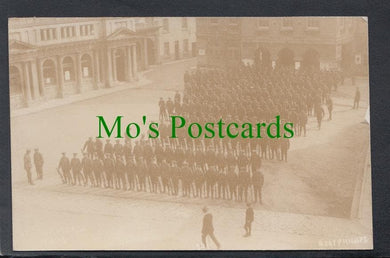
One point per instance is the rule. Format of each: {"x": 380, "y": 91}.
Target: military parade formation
{"x": 207, "y": 168}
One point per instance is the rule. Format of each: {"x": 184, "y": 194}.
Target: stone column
{"x": 35, "y": 80}
{"x": 134, "y": 62}
{"x": 40, "y": 78}
{"x": 114, "y": 65}
{"x": 157, "y": 50}
{"x": 108, "y": 68}
{"x": 103, "y": 66}
{"x": 96, "y": 72}
{"x": 26, "y": 79}
{"x": 78, "y": 73}
{"x": 129, "y": 64}
{"x": 146, "y": 53}
{"x": 60, "y": 78}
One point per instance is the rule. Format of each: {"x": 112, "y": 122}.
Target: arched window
{"x": 15, "y": 82}
{"x": 49, "y": 72}
{"x": 68, "y": 69}
{"x": 86, "y": 66}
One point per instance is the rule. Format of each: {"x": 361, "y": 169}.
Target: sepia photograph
{"x": 190, "y": 133}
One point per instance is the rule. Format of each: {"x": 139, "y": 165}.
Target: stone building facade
{"x": 177, "y": 38}
{"x": 322, "y": 42}
{"x": 55, "y": 57}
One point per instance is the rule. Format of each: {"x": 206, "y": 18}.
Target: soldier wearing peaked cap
{"x": 86, "y": 164}
{"x": 64, "y": 166}
{"x": 75, "y": 165}
{"x": 108, "y": 147}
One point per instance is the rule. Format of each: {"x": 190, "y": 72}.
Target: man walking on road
{"x": 249, "y": 216}
{"x": 208, "y": 229}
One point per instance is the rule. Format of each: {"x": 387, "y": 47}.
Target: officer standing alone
{"x": 27, "y": 166}
{"x": 249, "y": 217}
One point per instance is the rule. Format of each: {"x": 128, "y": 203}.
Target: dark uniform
{"x": 109, "y": 166}
{"x": 99, "y": 148}
{"x": 130, "y": 171}
{"x": 208, "y": 228}
{"x": 64, "y": 165}
{"x": 249, "y": 217}
{"x": 175, "y": 173}
{"x": 222, "y": 184}
{"x": 118, "y": 149}
{"x": 356, "y": 99}
{"x": 155, "y": 177}
{"x": 108, "y": 149}
{"x": 97, "y": 167}
{"x": 232, "y": 179}
{"x": 211, "y": 179}
{"x": 199, "y": 180}
{"x": 75, "y": 165}
{"x": 89, "y": 147}
{"x": 140, "y": 171}
{"x": 257, "y": 182}
{"x": 165, "y": 176}
{"x": 284, "y": 146}
{"x": 38, "y": 162}
{"x": 87, "y": 170}
{"x": 28, "y": 166}
{"x": 120, "y": 182}
{"x": 255, "y": 161}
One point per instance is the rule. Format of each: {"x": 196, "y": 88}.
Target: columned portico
{"x": 124, "y": 63}
{"x": 58, "y": 71}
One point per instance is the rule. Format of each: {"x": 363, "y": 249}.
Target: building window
{"x": 263, "y": 22}
{"x": 48, "y": 34}
{"x": 166, "y": 24}
{"x": 313, "y": 22}
{"x": 68, "y": 69}
{"x": 184, "y": 23}
{"x": 49, "y": 72}
{"x": 166, "y": 48}
{"x": 286, "y": 22}
{"x": 86, "y": 66}
{"x": 87, "y": 30}
{"x": 185, "y": 46}
{"x": 14, "y": 36}
{"x": 54, "y": 33}
{"x": 68, "y": 32}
